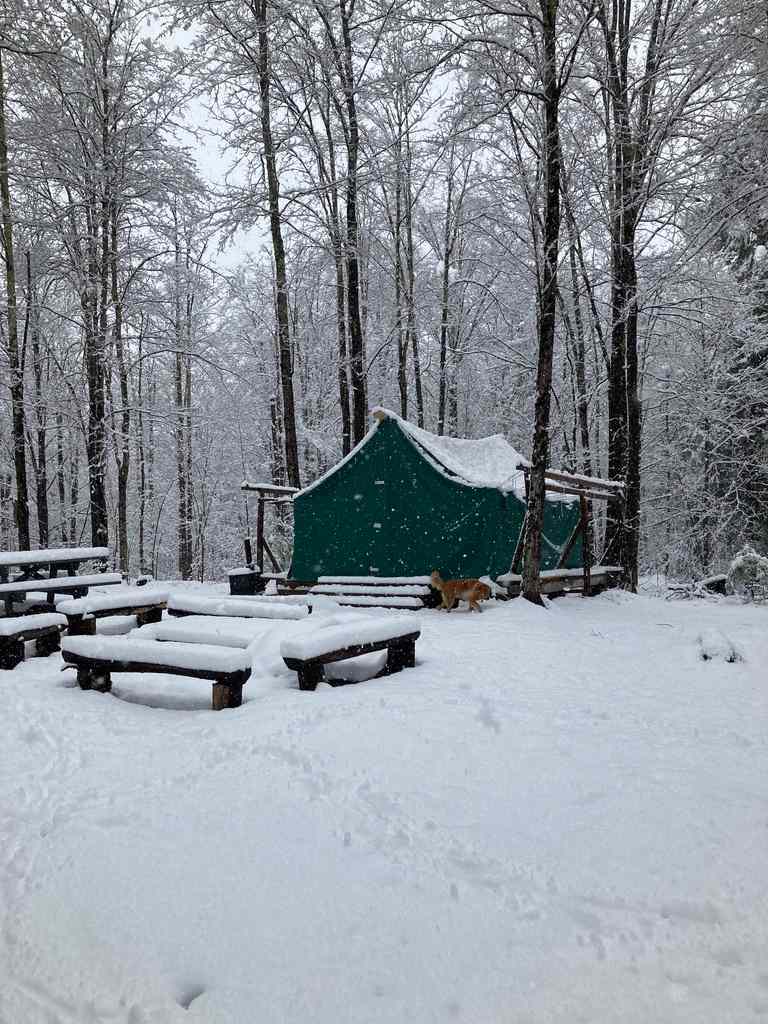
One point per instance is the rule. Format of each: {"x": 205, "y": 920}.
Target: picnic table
{"x": 22, "y": 572}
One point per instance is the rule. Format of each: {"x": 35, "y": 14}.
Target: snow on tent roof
{"x": 479, "y": 462}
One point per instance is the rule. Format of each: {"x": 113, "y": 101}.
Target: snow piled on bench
{"x": 246, "y": 607}
{"x": 46, "y": 556}
{"x": 97, "y": 579}
{"x": 9, "y": 626}
{"x": 203, "y": 629}
{"x": 332, "y": 637}
{"x": 134, "y": 597}
{"x": 175, "y": 655}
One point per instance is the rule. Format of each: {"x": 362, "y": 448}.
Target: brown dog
{"x": 471, "y": 591}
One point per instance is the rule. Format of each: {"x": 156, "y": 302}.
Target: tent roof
{"x": 482, "y": 462}
{"x": 479, "y": 462}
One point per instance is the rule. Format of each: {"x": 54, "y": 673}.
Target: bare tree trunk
{"x": 547, "y": 301}
{"x": 123, "y": 435}
{"x": 444, "y": 304}
{"x": 182, "y": 479}
{"x": 15, "y": 357}
{"x": 140, "y": 452}
{"x": 278, "y": 249}
{"x": 60, "y": 483}
{"x": 41, "y": 461}
{"x": 402, "y": 336}
{"x": 356, "y": 339}
{"x": 410, "y": 264}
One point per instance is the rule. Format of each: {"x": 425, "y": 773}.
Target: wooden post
{"x": 149, "y": 615}
{"x": 401, "y": 653}
{"x": 260, "y": 533}
{"x": 310, "y": 674}
{"x": 48, "y": 644}
{"x": 11, "y": 652}
{"x": 92, "y": 678}
{"x": 79, "y": 625}
{"x": 228, "y": 692}
{"x": 248, "y": 552}
{"x": 586, "y": 543}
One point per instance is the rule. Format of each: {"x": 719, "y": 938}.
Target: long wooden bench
{"x": 81, "y": 613}
{"x": 243, "y": 607}
{"x": 308, "y": 654}
{"x": 44, "y": 629}
{"x": 402, "y": 593}
{"x": 96, "y": 658}
{"x": 558, "y": 582}
{"x": 75, "y": 586}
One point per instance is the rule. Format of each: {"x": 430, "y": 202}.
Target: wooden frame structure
{"x": 587, "y": 489}
{"x": 266, "y": 494}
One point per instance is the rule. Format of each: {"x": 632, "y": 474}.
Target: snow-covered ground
{"x": 558, "y": 816}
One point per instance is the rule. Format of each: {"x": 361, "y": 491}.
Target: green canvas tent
{"x": 405, "y": 502}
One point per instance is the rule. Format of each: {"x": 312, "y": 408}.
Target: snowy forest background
{"x": 230, "y": 227}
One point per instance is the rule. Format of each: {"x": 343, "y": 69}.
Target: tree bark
{"x": 15, "y": 357}
{"x": 278, "y": 250}
{"x": 356, "y": 338}
{"x": 41, "y": 460}
{"x": 547, "y": 302}
{"x": 123, "y": 434}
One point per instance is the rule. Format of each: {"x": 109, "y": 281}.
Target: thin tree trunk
{"x": 444, "y": 305}
{"x": 123, "y": 438}
{"x": 278, "y": 249}
{"x": 41, "y": 461}
{"x": 548, "y": 288}
{"x": 15, "y": 357}
{"x": 182, "y": 480}
{"x": 140, "y": 453}
{"x": 356, "y": 339}
{"x": 60, "y": 484}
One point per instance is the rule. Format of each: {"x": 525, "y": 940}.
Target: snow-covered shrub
{"x": 748, "y": 574}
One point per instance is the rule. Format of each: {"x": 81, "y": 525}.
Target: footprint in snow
{"x": 716, "y": 646}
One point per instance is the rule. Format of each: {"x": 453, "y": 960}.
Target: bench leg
{"x": 310, "y": 675}
{"x": 98, "y": 679}
{"x": 11, "y": 652}
{"x": 228, "y": 693}
{"x": 78, "y": 625}
{"x": 150, "y": 615}
{"x": 400, "y": 654}
{"x": 49, "y": 644}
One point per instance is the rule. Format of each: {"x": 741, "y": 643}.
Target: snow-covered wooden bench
{"x": 557, "y": 582}
{"x": 45, "y": 629}
{"x": 75, "y": 586}
{"x": 308, "y": 654}
{"x": 217, "y": 631}
{"x": 97, "y": 657}
{"x": 403, "y": 593}
{"x": 81, "y": 613}
{"x": 246, "y": 607}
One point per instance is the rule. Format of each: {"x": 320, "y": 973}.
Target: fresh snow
{"x": 558, "y": 816}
